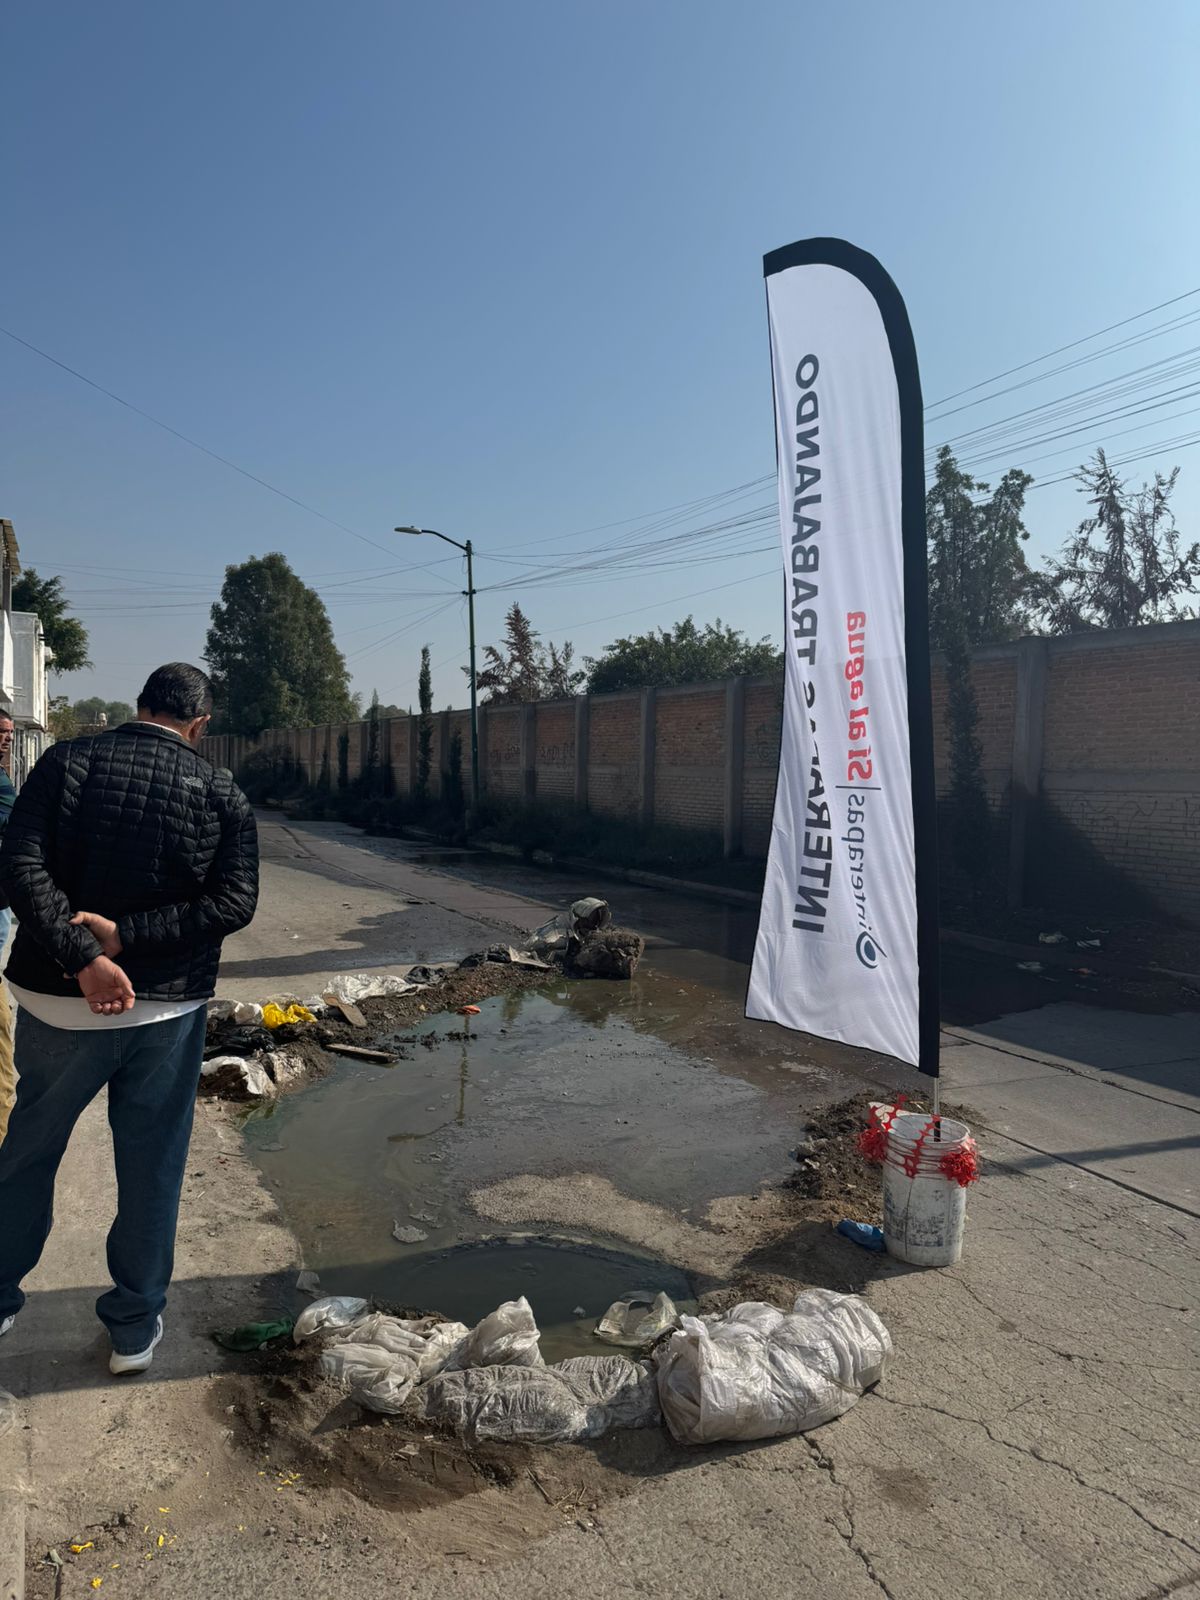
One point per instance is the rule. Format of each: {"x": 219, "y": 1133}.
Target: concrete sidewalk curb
{"x": 12, "y": 1548}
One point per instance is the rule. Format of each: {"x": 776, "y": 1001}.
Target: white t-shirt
{"x": 64, "y": 1011}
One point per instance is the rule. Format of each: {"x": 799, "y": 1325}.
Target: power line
{"x": 194, "y": 443}
{"x": 1074, "y": 344}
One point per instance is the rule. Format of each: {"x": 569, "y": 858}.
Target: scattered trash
{"x": 468, "y": 1011}
{"x": 865, "y": 1234}
{"x": 1087, "y": 944}
{"x": 348, "y": 1009}
{"x": 408, "y": 1235}
{"x": 757, "y": 1372}
{"x": 579, "y": 1311}
{"x": 1084, "y": 972}
{"x": 1052, "y": 938}
{"x": 584, "y": 917}
{"x": 360, "y": 1052}
{"x": 274, "y": 1016}
{"x": 252, "y": 1335}
{"x": 639, "y": 1320}
{"x": 308, "y": 1282}
{"x": 505, "y": 955}
{"x": 1031, "y": 966}
{"x": 583, "y": 1398}
{"x": 8, "y": 1412}
{"x": 354, "y": 987}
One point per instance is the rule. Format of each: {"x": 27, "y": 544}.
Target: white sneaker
{"x": 6, "y": 1324}
{"x": 118, "y": 1364}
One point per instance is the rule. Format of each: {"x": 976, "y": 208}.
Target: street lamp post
{"x": 468, "y": 552}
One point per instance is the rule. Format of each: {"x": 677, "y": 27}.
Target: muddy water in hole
{"x": 570, "y": 1079}
{"x": 659, "y": 1085}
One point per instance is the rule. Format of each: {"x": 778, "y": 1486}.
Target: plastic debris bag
{"x": 508, "y": 1337}
{"x": 579, "y": 1399}
{"x": 332, "y": 1314}
{"x": 355, "y": 986}
{"x": 246, "y": 1014}
{"x": 640, "y": 1320}
{"x": 757, "y": 1372}
{"x": 275, "y": 1017}
{"x": 583, "y": 917}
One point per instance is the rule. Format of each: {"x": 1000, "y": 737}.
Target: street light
{"x": 467, "y": 551}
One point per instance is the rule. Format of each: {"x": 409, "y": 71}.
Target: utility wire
{"x": 194, "y": 443}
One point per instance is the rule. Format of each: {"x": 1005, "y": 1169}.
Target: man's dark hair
{"x": 177, "y": 691}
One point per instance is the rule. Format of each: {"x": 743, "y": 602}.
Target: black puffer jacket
{"x": 137, "y": 826}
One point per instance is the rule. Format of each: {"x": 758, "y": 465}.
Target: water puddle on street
{"x": 565, "y": 1080}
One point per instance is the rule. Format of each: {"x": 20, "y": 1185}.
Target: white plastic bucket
{"x": 923, "y": 1214}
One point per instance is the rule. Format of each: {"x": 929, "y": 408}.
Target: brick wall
{"x": 689, "y": 751}
{"x": 763, "y": 722}
{"x": 554, "y": 751}
{"x": 1109, "y": 721}
{"x": 614, "y": 755}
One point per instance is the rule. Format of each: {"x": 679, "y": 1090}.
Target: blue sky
{"x": 496, "y": 269}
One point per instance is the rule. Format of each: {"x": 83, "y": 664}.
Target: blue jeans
{"x": 151, "y": 1074}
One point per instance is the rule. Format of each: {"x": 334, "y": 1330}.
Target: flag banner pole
{"x": 847, "y": 943}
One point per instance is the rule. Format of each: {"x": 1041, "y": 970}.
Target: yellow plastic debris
{"x": 78, "y": 1549}
{"x": 275, "y": 1017}
{"x": 96, "y": 1582}
{"x": 162, "y": 1539}
{"x": 164, "y": 1511}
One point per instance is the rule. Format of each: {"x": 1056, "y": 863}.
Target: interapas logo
{"x": 861, "y": 784}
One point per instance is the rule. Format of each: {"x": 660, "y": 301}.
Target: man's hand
{"x": 101, "y": 929}
{"x": 105, "y": 987}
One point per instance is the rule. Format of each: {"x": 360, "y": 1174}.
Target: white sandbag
{"x": 250, "y": 1079}
{"x": 579, "y": 1399}
{"x": 423, "y": 1340}
{"x": 374, "y": 1376}
{"x": 757, "y": 1372}
{"x": 508, "y": 1337}
{"x": 332, "y": 1314}
{"x": 638, "y": 1321}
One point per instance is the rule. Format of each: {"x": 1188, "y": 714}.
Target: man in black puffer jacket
{"x": 127, "y": 860}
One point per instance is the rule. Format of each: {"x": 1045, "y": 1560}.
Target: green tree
{"x": 372, "y": 774}
{"x": 1124, "y": 566}
{"x": 979, "y": 591}
{"x": 455, "y": 795}
{"x": 91, "y": 710}
{"x": 61, "y": 719}
{"x": 271, "y": 652}
{"x": 683, "y": 654}
{"x": 65, "y": 636}
{"x": 425, "y": 726}
{"x": 978, "y": 575}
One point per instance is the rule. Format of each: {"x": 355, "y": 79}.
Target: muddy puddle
{"x": 550, "y": 1083}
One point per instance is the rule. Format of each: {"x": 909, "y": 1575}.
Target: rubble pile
{"x": 254, "y": 1050}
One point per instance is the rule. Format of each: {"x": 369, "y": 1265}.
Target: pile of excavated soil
{"x": 306, "y": 1043}
{"x": 477, "y": 1498}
